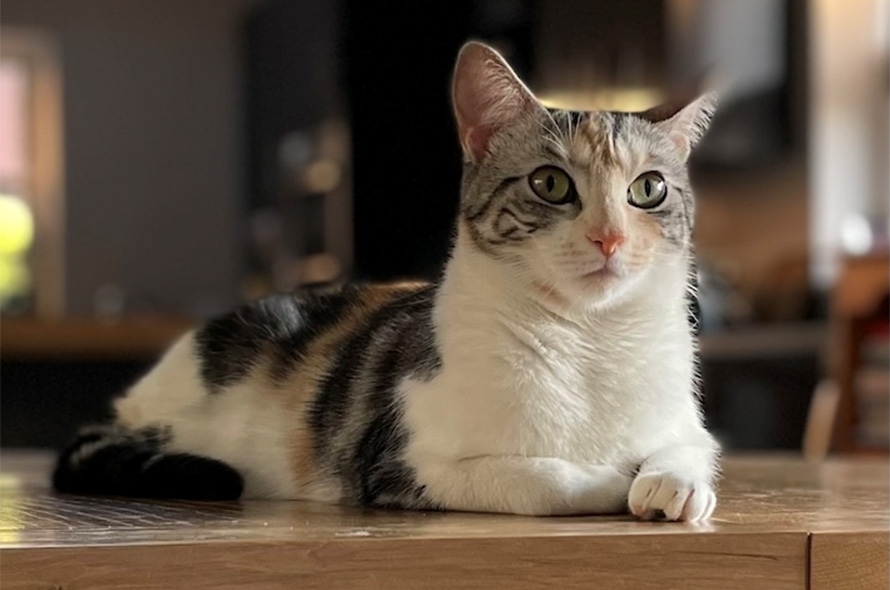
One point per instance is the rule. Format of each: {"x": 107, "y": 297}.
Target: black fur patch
{"x": 282, "y": 327}
{"x": 333, "y": 400}
{"x": 114, "y": 462}
{"x": 229, "y": 346}
{"x": 320, "y": 311}
{"x": 189, "y": 477}
{"x": 379, "y": 475}
{"x": 398, "y": 341}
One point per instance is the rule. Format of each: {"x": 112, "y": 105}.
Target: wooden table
{"x": 781, "y": 524}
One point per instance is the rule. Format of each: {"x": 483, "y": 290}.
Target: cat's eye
{"x": 553, "y": 185}
{"x": 647, "y": 191}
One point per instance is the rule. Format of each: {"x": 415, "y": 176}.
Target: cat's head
{"x": 582, "y": 205}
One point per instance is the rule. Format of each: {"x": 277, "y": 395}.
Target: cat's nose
{"x": 607, "y": 242}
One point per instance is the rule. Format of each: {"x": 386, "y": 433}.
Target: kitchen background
{"x": 161, "y": 161}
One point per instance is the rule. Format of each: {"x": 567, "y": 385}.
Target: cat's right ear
{"x": 487, "y": 96}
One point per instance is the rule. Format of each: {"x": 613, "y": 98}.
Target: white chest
{"x": 604, "y": 393}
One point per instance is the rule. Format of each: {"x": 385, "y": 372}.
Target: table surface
{"x": 770, "y": 512}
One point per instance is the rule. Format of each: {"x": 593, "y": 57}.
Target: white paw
{"x": 582, "y": 489}
{"x": 592, "y": 489}
{"x": 658, "y": 494}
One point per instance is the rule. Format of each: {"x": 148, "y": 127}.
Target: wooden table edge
{"x": 696, "y": 561}
{"x": 849, "y": 560}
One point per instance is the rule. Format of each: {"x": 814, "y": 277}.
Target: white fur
{"x": 537, "y": 410}
{"x": 246, "y": 426}
{"x": 545, "y": 404}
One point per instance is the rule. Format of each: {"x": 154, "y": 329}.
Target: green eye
{"x": 647, "y": 191}
{"x": 552, "y": 184}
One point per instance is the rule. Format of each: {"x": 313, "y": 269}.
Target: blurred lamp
{"x": 856, "y": 235}
{"x": 625, "y": 99}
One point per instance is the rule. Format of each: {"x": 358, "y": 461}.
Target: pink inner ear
{"x": 682, "y": 143}
{"x": 474, "y": 97}
{"x": 476, "y": 140}
{"x": 487, "y": 96}
{"x": 480, "y": 115}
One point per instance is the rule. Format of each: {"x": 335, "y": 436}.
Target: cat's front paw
{"x": 591, "y": 489}
{"x": 605, "y": 492}
{"x": 669, "y": 495}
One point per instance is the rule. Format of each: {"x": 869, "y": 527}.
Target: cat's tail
{"x": 113, "y": 461}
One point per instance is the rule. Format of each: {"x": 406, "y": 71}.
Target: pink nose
{"x": 607, "y": 243}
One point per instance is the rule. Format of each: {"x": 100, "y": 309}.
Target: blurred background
{"x": 161, "y": 161}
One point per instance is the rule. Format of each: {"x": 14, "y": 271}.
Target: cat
{"x": 551, "y": 371}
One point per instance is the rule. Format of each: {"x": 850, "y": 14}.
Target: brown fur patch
{"x": 302, "y": 385}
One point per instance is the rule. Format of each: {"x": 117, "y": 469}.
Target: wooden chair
{"x": 858, "y": 302}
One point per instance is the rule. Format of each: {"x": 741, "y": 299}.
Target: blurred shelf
{"x": 88, "y": 339}
{"x": 141, "y": 336}
{"x": 765, "y": 341}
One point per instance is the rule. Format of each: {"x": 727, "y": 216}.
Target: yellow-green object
{"x": 16, "y": 237}
{"x": 16, "y": 226}
{"x": 15, "y": 277}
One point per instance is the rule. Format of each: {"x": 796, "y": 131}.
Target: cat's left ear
{"x": 684, "y": 124}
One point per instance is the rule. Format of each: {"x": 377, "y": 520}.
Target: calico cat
{"x": 551, "y": 370}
